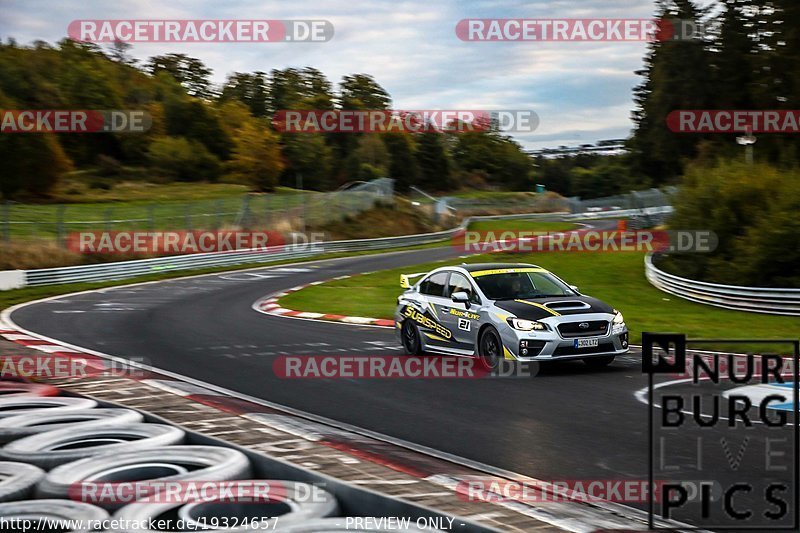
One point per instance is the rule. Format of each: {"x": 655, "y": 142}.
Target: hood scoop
{"x": 568, "y": 305}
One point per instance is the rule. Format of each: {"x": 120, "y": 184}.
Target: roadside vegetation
{"x": 205, "y": 133}
{"x": 617, "y": 278}
{"x": 215, "y": 143}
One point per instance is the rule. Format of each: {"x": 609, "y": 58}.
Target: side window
{"x": 434, "y": 285}
{"x": 458, "y": 283}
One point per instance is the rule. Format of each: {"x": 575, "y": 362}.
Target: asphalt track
{"x": 567, "y": 422}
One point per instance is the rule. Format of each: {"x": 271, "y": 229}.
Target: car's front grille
{"x": 603, "y": 347}
{"x": 585, "y": 328}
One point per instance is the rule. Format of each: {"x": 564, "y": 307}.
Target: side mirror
{"x": 461, "y": 298}
{"x": 574, "y": 288}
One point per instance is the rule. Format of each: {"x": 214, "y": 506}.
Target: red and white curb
{"x": 270, "y": 305}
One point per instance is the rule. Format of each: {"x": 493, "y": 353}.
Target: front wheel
{"x": 410, "y": 336}
{"x": 599, "y": 362}
{"x": 490, "y": 349}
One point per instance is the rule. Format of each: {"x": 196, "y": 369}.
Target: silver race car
{"x": 506, "y": 311}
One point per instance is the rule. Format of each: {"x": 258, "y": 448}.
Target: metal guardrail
{"x": 753, "y": 299}
{"x": 140, "y": 267}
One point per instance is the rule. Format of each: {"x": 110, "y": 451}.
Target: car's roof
{"x": 475, "y": 267}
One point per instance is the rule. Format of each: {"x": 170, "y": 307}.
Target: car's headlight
{"x": 526, "y": 325}
{"x": 618, "y": 317}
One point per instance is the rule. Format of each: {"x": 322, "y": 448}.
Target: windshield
{"x": 521, "y": 285}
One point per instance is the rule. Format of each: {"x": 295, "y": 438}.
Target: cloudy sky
{"x": 581, "y": 90}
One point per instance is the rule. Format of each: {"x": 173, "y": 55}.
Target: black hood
{"x": 537, "y": 308}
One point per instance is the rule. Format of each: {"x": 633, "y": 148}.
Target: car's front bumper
{"x": 551, "y": 346}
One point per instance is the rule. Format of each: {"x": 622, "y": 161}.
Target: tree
{"x": 249, "y": 89}
{"x": 190, "y": 72}
{"x": 404, "y": 168}
{"x": 676, "y": 76}
{"x": 434, "y": 164}
{"x": 120, "y": 53}
{"x": 183, "y": 159}
{"x": 256, "y": 157}
{"x": 361, "y": 91}
{"x": 369, "y": 160}
{"x": 752, "y": 210}
{"x": 194, "y": 119}
{"x": 307, "y": 156}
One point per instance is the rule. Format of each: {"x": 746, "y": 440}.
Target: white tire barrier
{"x": 17, "y": 427}
{"x": 170, "y": 463}
{"x": 54, "y": 448}
{"x": 24, "y": 405}
{"x": 17, "y": 480}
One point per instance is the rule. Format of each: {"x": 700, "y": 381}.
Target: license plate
{"x": 586, "y": 343}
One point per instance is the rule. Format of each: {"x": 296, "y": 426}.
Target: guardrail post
{"x": 109, "y": 215}
{"x": 151, "y": 218}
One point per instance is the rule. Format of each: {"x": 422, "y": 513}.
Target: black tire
{"x": 599, "y": 361}
{"x": 23, "y": 405}
{"x": 412, "y": 342}
{"x": 204, "y": 463}
{"x": 51, "y": 510}
{"x": 18, "y": 481}
{"x": 490, "y": 349}
{"x": 17, "y": 427}
{"x": 299, "y": 511}
{"x": 53, "y": 448}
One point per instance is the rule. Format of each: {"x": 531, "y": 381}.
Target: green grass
{"x": 615, "y": 278}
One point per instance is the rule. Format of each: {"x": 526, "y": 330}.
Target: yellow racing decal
{"x": 427, "y": 322}
{"x": 465, "y": 314}
{"x": 479, "y": 273}
{"x": 507, "y": 354}
{"x": 540, "y": 306}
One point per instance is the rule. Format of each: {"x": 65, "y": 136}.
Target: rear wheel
{"x": 490, "y": 349}
{"x": 410, "y": 336}
{"x": 599, "y": 362}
